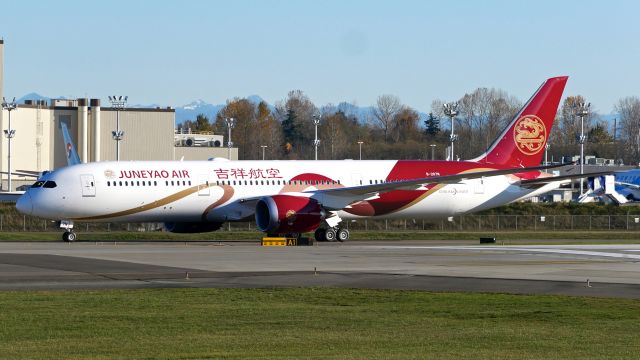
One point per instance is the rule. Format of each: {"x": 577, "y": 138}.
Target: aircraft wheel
{"x": 330, "y": 235}
{"x": 69, "y": 236}
{"x": 319, "y": 234}
{"x": 343, "y": 234}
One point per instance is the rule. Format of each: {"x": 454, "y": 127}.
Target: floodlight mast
{"x": 231, "y": 123}
{"x": 360, "y": 146}
{"x": 451, "y": 110}
{"x": 582, "y": 110}
{"x": 9, "y": 133}
{"x": 316, "y": 142}
{"x": 119, "y": 103}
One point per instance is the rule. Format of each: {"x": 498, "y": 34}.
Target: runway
{"x": 589, "y": 270}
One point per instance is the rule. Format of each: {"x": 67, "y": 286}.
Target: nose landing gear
{"x": 69, "y": 235}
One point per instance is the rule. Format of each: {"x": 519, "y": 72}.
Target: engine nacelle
{"x": 192, "y": 227}
{"x": 281, "y": 214}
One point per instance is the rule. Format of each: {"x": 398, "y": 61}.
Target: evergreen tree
{"x": 203, "y": 124}
{"x": 289, "y": 128}
{"x": 432, "y": 125}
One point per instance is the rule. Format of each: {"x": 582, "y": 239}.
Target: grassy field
{"x": 506, "y": 237}
{"x": 313, "y": 323}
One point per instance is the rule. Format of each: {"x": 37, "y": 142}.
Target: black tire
{"x": 319, "y": 234}
{"x": 69, "y": 236}
{"x": 330, "y": 235}
{"x": 342, "y": 235}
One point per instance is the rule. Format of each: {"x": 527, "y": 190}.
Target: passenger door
{"x": 88, "y": 185}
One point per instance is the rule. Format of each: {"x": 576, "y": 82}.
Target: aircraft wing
{"x": 415, "y": 184}
{"x": 628, "y": 185}
{"x": 339, "y": 198}
{"x": 24, "y": 173}
{"x": 534, "y": 183}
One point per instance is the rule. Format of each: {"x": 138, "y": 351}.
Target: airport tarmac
{"x": 590, "y": 270}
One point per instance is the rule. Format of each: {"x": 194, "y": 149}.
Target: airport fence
{"x": 18, "y": 223}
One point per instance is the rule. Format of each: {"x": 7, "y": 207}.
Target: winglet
{"x": 69, "y": 147}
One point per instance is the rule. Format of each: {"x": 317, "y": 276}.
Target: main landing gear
{"x": 331, "y": 234}
{"x": 69, "y": 235}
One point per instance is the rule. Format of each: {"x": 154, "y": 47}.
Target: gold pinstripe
{"x": 152, "y": 205}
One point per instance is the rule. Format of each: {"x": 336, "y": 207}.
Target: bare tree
{"x": 385, "y": 111}
{"x": 629, "y": 110}
{"x": 295, "y": 114}
{"x": 405, "y": 125}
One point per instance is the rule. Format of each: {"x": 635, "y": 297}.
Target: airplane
{"x": 295, "y": 197}
{"x": 621, "y": 188}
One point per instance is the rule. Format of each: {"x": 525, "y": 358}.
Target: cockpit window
{"x": 37, "y": 184}
{"x": 49, "y": 184}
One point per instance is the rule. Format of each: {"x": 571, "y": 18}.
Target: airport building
{"x": 149, "y": 134}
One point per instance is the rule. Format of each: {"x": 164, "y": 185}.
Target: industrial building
{"x": 149, "y": 134}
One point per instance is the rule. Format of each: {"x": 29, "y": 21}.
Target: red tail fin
{"x": 522, "y": 143}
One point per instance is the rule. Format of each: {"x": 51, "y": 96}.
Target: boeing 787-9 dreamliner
{"x": 294, "y": 197}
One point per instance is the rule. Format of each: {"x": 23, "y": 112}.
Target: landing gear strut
{"x": 69, "y": 235}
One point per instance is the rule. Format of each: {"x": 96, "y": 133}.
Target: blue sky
{"x": 173, "y": 52}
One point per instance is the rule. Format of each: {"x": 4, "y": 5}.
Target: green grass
{"x": 317, "y": 323}
{"x": 506, "y": 237}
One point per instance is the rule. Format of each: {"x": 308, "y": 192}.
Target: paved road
{"x": 592, "y": 270}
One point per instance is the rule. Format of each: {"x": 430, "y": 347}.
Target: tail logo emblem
{"x": 530, "y": 134}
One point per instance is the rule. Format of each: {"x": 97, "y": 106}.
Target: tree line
{"x": 393, "y": 130}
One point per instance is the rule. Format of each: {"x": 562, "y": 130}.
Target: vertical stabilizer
{"x": 69, "y": 147}
{"x": 523, "y": 142}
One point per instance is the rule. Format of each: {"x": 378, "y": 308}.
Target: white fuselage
{"x": 191, "y": 191}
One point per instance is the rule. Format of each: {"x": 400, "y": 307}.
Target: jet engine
{"x": 191, "y": 227}
{"x": 280, "y": 214}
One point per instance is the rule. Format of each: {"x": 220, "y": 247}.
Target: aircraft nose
{"x": 24, "y": 204}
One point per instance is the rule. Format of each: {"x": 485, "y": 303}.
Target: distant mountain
{"x": 193, "y": 109}
{"x": 32, "y": 96}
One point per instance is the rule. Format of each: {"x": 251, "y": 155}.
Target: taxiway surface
{"x": 592, "y": 270}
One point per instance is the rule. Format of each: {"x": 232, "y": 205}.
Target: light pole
{"x": 546, "y": 150}
{"x": 263, "y": 147}
{"x": 118, "y": 102}
{"x": 316, "y": 142}
{"x": 582, "y": 110}
{"x": 433, "y": 147}
{"x": 360, "y": 146}
{"x": 231, "y": 122}
{"x": 451, "y": 110}
{"x": 9, "y": 133}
